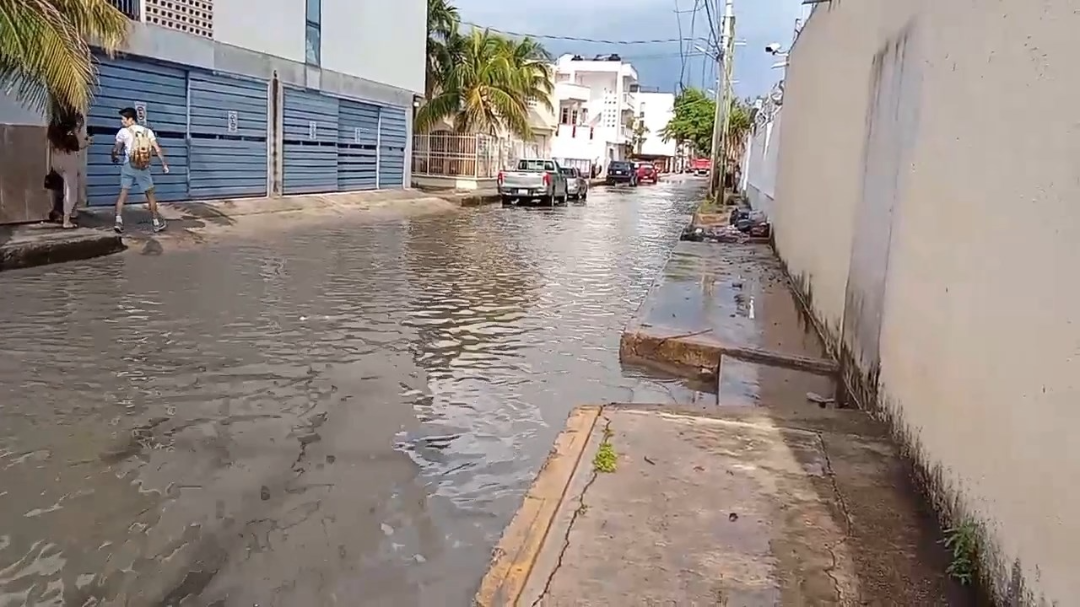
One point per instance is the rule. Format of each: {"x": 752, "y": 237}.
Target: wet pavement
{"x": 334, "y": 414}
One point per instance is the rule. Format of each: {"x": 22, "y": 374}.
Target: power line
{"x": 682, "y": 54}
{"x": 577, "y": 39}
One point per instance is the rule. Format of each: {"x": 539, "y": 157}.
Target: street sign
{"x": 234, "y": 122}
{"x": 313, "y": 130}
{"x": 140, "y": 112}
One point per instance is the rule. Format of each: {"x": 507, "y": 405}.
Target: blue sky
{"x": 758, "y": 22}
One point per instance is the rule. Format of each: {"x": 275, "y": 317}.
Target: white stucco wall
{"x": 276, "y": 27}
{"x": 927, "y": 200}
{"x": 762, "y": 158}
{"x": 375, "y": 40}
{"x": 380, "y": 40}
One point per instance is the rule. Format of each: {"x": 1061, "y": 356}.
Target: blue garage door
{"x": 392, "y": 136}
{"x": 310, "y": 142}
{"x": 159, "y": 94}
{"x": 228, "y": 136}
{"x": 357, "y": 148}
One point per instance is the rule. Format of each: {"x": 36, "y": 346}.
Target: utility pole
{"x": 723, "y": 97}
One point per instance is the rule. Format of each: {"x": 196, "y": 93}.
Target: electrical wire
{"x": 682, "y": 53}
{"x": 577, "y": 39}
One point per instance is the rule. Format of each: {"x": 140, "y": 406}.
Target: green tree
{"x": 442, "y": 28}
{"x": 692, "y": 120}
{"x": 45, "y": 56}
{"x": 486, "y": 82}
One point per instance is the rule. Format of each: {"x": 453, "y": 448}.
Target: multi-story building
{"x": 596, "y": 109}
{"x": 655, "y": 110}
{"x": 278, "y": 97}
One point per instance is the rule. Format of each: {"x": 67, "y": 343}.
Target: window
{"x": 314, "y": 32}
{"x": 575, "y": 118}
{"x": 564, "y": 118}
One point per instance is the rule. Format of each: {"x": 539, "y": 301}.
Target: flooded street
{"x": 329, "y": 415}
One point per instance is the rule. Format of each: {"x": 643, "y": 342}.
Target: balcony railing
{"x": 129, "y": 8}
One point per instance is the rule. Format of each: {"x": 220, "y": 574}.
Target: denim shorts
{"x": 139, "y": 177}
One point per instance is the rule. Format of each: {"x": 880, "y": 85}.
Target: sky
{"x": 757, "y": 23}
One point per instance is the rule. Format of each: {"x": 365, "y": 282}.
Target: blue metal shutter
{"x": 310, "y": 142}
{"x": 357, "y": 149}
{"x": 159, "y": 90}
{"x": 392, "y": 136}
{"x": 228, "y": 129}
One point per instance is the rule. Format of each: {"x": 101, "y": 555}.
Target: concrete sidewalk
{"x": 192, "y": 222}
{"x": 747, "y": 485}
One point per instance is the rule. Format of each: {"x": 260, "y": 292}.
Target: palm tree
{"x": 45, "y": 57}
{"x": 486, "y": 83}
{"x": 532, "y": 70}
{"x": 442, "y": 29}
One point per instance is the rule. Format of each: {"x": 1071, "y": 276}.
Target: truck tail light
{"x": 547, "y": 178}
{"x": 501, "y": 177}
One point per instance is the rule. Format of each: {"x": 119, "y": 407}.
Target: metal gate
{"x": 159, "y": 94}
{"x": 357, "y": 146}
{"x": 228, "y": 129}
{"x": 310, "y": 142}
{"x": 392, "y": 136}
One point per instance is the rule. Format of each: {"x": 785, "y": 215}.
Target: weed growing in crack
{"x": 963, "y": 542}
{"x": 605, "y": 459}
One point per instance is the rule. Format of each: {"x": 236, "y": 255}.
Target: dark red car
{"x": 646, "y": 172}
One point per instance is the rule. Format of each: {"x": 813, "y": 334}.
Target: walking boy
{"x": 138, "y": 145}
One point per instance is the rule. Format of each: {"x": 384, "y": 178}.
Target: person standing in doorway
{"x": 138, "y": 145}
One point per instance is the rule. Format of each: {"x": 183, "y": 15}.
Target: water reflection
{"x": 345, "y": 414}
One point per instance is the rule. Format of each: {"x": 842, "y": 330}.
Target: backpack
{"x": 141, "y": 149}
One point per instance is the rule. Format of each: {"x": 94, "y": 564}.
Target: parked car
{"x": 577, "y": 185}
{"x": 621, "y": 171}
{"x": 646, "y": 173}
{"x": 534, "y": 179}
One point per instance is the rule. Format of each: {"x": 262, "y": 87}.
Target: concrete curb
{"x": 31, "y": 253}
{"x": 691, "y": 353}
{"x": 521, "y": 543}
{"x": 475, "y": 200}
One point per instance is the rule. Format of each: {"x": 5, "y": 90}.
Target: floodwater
{"x": 329, "y": 415}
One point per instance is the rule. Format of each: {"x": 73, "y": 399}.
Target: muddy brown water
{"x": 338, "y": 414}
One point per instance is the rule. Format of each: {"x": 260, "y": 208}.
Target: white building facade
{"x": 655, "y": 110}
{"x": 595, "y": 108}
{"x": 289, "y": 97}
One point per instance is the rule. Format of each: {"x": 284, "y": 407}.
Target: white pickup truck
{"x": 534, "y": 179}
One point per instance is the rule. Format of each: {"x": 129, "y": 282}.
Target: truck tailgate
{"x": 523, "y": 179}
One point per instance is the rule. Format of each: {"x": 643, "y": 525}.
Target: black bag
{"x": 53, "y": 181}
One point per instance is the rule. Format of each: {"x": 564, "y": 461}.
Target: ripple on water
{"x": 266, "y": 409}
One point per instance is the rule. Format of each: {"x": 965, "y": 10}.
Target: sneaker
{"x": 159, "y": 225}
{"x": 118, "y": 227}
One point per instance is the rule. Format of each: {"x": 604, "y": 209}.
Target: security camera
{"x": 773, "y": 48}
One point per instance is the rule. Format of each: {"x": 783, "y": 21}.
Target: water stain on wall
{"x": 892, "y": 125}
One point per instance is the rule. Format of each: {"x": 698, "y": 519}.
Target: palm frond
{"x": 45, "y": 56}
